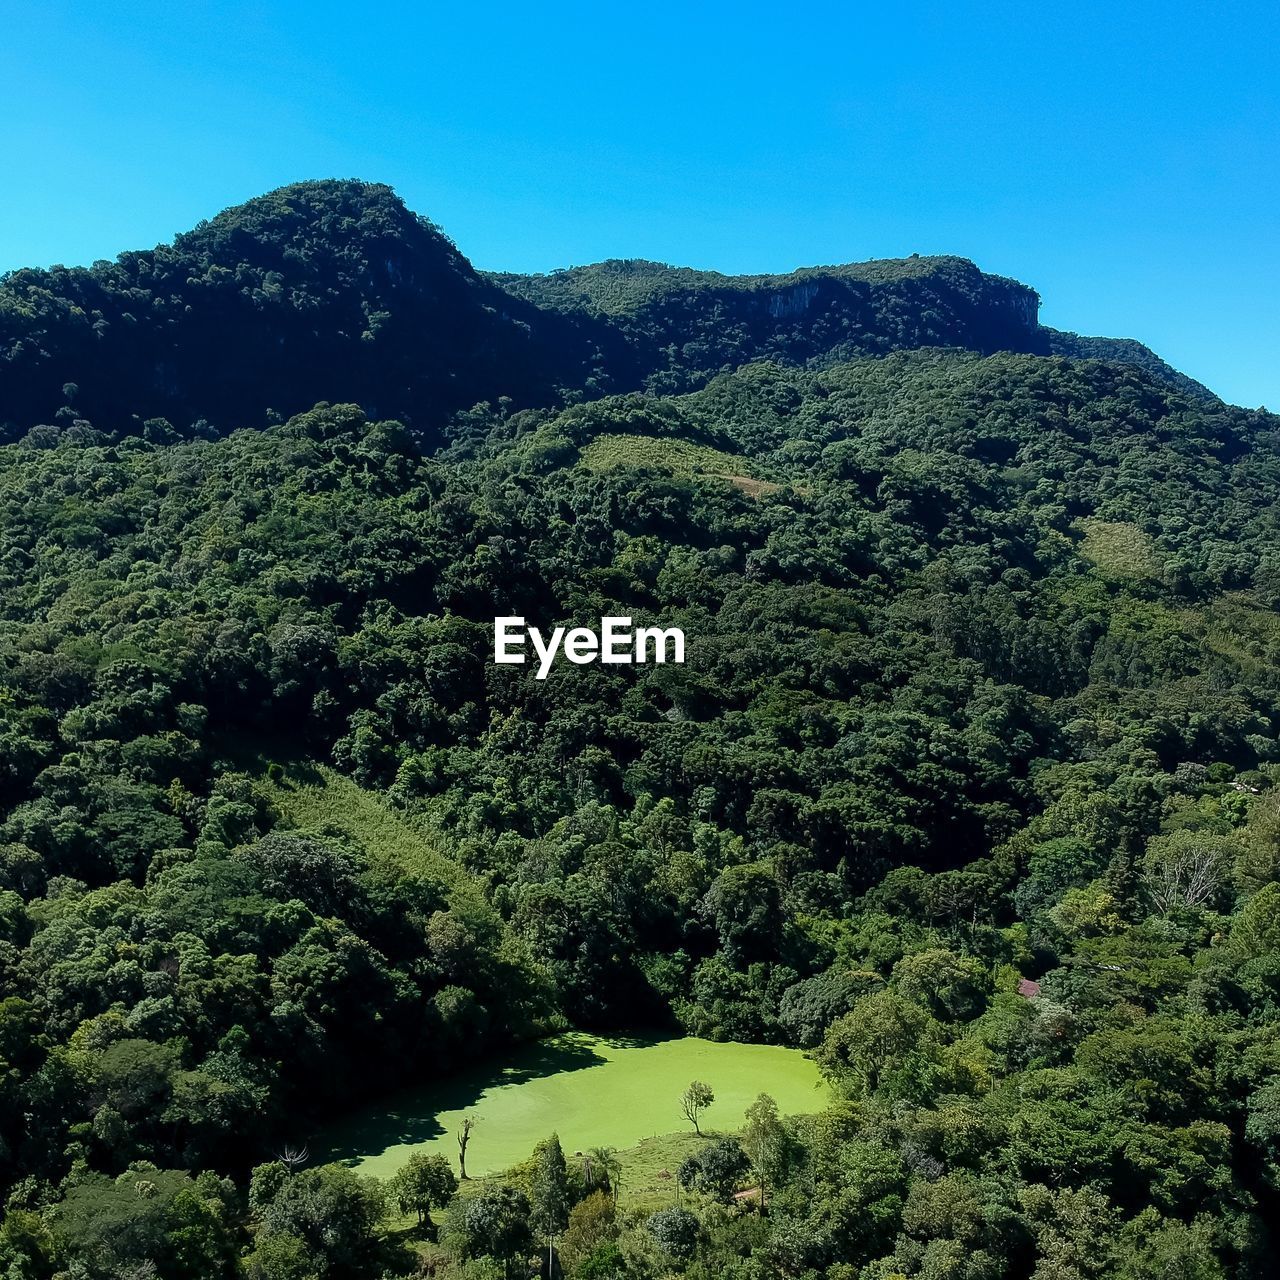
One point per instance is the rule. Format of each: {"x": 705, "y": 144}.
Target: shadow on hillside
{"x": 634, "y": 1040}
{"x": 302, "y": 773}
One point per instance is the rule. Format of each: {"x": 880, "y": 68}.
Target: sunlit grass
{"x": 315, "y": 797}
{"x": 676, "y": 457}
{"x": 592, "y": 1091}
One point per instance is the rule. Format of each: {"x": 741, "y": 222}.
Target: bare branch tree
{"x": 465, "y": 1126}
{"x": 1185, "y": 869}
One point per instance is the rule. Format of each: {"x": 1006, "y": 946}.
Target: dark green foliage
{"x": 326, "y": 1216}
{"x": 318, "y": 290}
{"x": 549, "y": 1197}
{"x": 493, "y": 1223}
{"x": 809, "y": 1006}
{"x": 1126, "y": 349}
{"x": 682, "y": 326}
{"x": 967, "y": 783}
{"x": 425, "y": 1183}
{"x": 587, "y": 1248}
{"x": 716, "y": 1169}
{"x": 334, "y": 290}
{"x": 676, "y": 1231}
{"x": 145, "y": 1216}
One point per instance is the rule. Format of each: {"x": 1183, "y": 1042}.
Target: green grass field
{"x": 676, "y": 457}
{"x": 1119, "y": 550}
{"x": 649, "y": 1168}
{"x": 591, "y": 1091}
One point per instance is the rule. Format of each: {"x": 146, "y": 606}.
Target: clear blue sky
{"x": 1121, "y": 158}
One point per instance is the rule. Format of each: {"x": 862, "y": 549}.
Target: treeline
{"x": 682, "y": 326}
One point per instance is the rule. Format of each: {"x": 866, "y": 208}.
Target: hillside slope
{"x": 321, "y": 290}
{"x": 968, "y": 784}
{"x": 681, "y": 326}
{"x": 1128, "y": 351}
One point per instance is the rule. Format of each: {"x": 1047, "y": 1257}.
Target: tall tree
{"x": 601, "y": 1169}
{"x": 550, "y": 1199}
{"x": 764, "y": 1140}
{"x": 426, "y": 1182}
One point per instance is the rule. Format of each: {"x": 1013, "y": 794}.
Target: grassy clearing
{"x": 675, "y": 457}
{"x": 315, "y": 797}
{"x": 1120, "y": 550}
{"x": 1236, "y": 626}
{"x": 648, "y": 1183}
{"x": 649, "y": 1170}
{"x": 592, "y": 1091}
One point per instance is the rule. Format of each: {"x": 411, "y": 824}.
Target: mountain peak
{"x": 336, "y": 210}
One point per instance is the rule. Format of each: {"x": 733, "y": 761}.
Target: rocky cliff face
{"x": 793, "y": 301}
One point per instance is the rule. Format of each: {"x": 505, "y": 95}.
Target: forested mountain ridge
{"x": 335, "y": 291}
{"x": 1060, "y": 343}
{"x": 967, "y": 787}
{"x": 684, "y": 325}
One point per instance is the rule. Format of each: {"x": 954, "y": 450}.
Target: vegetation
{"x": 694, "y": 1101}
{"x": 966, "y": 787}
{"x": 426, "y": 1182}
{"x": 598, "y": 1093}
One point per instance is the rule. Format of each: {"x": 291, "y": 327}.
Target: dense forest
{"x": 966, "y": 785}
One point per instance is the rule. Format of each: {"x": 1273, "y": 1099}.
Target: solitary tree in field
{"x": 465, "y": 1125}
{"x": 425, "y": 1183}
{"x": 694, "y": 1101}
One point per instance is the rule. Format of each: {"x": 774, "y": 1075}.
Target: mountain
{"x": 335, "y": 291}
{"x": 319, "y": 290}
{"x": 1127, "y": 351}
{"x": 968, "y": 785}
{"x": 682, "y": 326}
